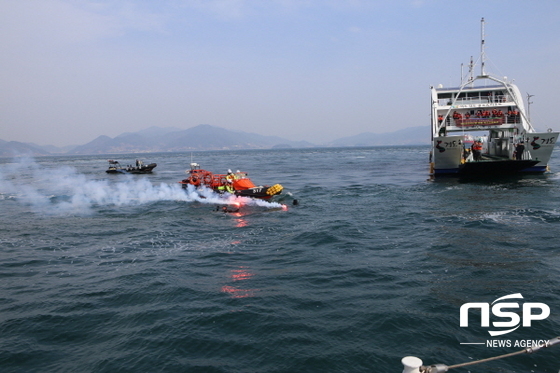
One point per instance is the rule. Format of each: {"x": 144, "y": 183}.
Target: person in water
{"x": 225, "y": 209}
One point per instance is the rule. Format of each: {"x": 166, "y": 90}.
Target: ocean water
{"x": 130, "y": 273}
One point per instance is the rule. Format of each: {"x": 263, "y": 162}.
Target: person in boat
{"x": 229, "y": 181}
{"x": 466, "y": 154}
{"x": 227, "y": 187}
{"x": 456, "y": 115}
{"x": 516, "y": 114}
{"x": 519, "y": 149}
{"x": 477, "y": 150}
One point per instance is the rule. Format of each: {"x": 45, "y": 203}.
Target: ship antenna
{"x": 482, "y": 56}
{"x": 529, "y": 102}
{"x": 471, "y": 68}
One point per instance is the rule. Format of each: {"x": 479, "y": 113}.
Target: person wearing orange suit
{"x": 477, "y": 150}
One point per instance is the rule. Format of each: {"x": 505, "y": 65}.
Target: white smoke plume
{"x": 64, "y": 190}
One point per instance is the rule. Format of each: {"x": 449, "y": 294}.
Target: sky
{"x": 314, "y": 70}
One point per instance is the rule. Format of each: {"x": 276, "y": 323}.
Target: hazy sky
{"x": 316, "y": 70}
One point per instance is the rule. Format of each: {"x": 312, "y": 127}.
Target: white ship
{"x": 492, "y": 111}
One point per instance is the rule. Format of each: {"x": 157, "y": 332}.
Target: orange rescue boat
{"x": 237, "y": 183}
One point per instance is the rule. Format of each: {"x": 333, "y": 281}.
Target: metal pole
{"x": 529, "y": 106}
{"x": 482, "y": 56}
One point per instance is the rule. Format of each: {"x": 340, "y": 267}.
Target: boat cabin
{"x": 494, "y": 109}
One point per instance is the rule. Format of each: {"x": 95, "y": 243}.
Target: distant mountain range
{"x": 8, "y": 148}
{"x": 207, "y": 137}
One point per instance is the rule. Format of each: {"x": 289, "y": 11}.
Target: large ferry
{"x": 483, "y": 128}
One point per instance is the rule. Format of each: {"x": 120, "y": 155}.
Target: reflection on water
{"x": 240, "y": 222}
{"x": 236, "y": 275}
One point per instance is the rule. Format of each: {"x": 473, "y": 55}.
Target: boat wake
{"x": 64, "y": 190}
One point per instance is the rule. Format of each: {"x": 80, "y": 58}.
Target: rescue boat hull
{"x": 261, "y": 192}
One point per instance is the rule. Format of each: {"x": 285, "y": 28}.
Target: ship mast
{"x": 482, "y": 55}
{"x": 471, "y": 69}
{"x": 529, "y": 102}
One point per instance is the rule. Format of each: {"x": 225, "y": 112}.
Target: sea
{"x": 362, "y": 260}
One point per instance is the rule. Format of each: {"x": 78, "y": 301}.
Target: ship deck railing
{"x": 501, "y": 100}
{"x": 507, "y": 119}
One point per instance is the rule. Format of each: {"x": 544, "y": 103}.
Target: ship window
{"x": 442, "y": 96}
